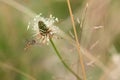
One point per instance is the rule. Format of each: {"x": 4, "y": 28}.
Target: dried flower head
{"x": 43, "y": 28}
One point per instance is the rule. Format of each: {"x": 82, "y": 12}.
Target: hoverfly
{"x": 43, "y": 29}
{"x": 41, "y": 37}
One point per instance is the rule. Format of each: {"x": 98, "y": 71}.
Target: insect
{"x": 42, "y": 37}
{"x": 45, "y": 33}
{"x": 43, "y": 29}
{"x": 29, "y": 43}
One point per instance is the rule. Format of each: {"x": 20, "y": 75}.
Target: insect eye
{"x": 40, "y": 24}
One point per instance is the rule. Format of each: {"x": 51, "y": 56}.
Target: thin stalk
{"x": 82, "y": 21}
{"x": 20, "y": 7}
{"x": 77, "y": 42}
{"x": 6, "y": 66}
{"x": 63, "y": 62}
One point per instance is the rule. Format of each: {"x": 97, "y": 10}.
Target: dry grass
{"x": 98, "y": 54}
{"x": 77, "y": 42}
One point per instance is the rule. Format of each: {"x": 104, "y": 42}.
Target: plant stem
{"x": 77, "y": 42}
{"x": 9, "y": 67}
{"x": 63, "y": 62}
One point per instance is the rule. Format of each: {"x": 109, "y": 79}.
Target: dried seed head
{"x": 43, "y": 28}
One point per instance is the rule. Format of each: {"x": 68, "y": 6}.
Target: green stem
{"x": 63, "y": 62}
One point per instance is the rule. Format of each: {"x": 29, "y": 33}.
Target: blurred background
{"x": 100, "y": 40}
